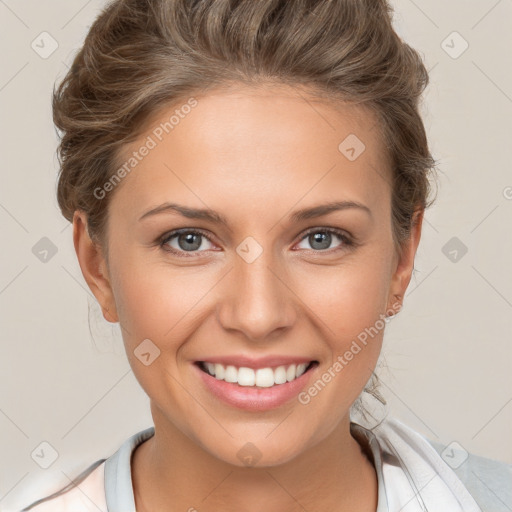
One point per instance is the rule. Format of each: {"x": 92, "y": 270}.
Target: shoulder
{"x": 489, "y": 481}
{"x": 88, "y": 492}
{"x": 88, "y": 495}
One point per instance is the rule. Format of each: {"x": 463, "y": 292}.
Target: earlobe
{"x": 405, "y": 262}
{"x": 93, "y": 265}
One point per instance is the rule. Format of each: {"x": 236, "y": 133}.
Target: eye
{"x": 182, "y": 241}
{"x": 321, "y": 238}
{"x": 187, "y": 240}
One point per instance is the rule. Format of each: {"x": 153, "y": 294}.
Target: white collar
{"x": 411, "y": 475}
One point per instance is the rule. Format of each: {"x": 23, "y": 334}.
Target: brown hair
{"x": 141, "y": 56}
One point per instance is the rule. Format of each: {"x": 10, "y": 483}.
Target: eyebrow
{"x": 215, "y": 217}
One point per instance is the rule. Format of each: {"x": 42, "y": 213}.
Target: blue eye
{"x": 191, "y": 240}
{"x": 188, "y": 240}
{"x": 322, "y": 238}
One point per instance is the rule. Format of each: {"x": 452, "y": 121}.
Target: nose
{"x": 257, "y": 301}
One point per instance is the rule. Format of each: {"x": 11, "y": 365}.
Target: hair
{"x": 142, "y": 56}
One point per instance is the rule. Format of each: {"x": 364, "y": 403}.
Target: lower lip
{"x": 254, "y": 398}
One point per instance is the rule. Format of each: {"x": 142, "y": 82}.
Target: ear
{"x": 94, "y": 266}
{"x": 404, "y": 262}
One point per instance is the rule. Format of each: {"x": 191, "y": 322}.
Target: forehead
{"x": 246, "y": 146}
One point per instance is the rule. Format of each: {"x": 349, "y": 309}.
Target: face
{"x": 277, "y": 278}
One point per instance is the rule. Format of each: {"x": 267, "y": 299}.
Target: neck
{"x": 172, "y": 473}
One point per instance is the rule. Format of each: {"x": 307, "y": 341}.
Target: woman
{"x": 247, "y": 182}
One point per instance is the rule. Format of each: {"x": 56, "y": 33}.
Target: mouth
{"x": 268, "y": 377}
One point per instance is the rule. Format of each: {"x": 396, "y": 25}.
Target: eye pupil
{"x": 321, "y": 237}
{"x": 189, "y": 238}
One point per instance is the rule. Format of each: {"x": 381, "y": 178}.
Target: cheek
{"x": 347, "y": 304}
{"x": 157, "y": 304}
{"x": 153, "y": 301}
{"x": 346, "y": 298}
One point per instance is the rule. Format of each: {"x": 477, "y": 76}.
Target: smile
{"x": 261, "y": 377}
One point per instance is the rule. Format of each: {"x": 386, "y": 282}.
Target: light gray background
{"x": 448, "y": 353}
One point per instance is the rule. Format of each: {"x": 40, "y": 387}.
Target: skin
{"x": 254, "y": 156}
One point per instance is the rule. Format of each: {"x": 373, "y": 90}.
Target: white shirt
{"x": 412, "y": 476}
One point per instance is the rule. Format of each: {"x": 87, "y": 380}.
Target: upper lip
{"x": 255, "y": 363}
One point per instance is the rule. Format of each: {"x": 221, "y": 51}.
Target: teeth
{"x": 280, "y": 375}
{"x": 262, "y": 377}
{"x": 265, "y": 377}
{"x": 219, "y": 372}
{"x": 301, "y": 368}
{"x": 246, "y": 377}
{"x": 231, "y": 374}
{"x": 291, "y": 372}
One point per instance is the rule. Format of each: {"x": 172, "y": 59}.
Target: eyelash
{"x": 348, "y": 242}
